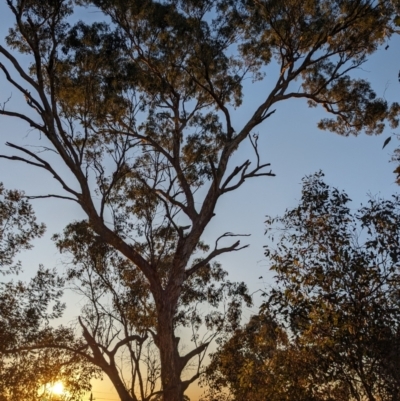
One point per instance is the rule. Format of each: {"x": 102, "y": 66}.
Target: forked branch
{"x": 217, "y": 251}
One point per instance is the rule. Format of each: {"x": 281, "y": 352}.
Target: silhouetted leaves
{"x": 137, "y": 107}
{"x": 338, "y": 279}
{"x": 330, "y": 327}
{"x": 18, "y": 227}
{"x": 32, "y": 353}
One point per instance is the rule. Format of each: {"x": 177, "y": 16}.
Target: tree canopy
{"x": 27, "y": 365}
{"x": 137, "y": 109}
{"x": 18, "y": 227}
{"x": 330, "y": 326}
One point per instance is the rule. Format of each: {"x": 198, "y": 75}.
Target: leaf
{"x": 387, "y": 140}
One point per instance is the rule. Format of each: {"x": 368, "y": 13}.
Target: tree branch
{"x": 22, "y": 117}
{"x": 43, "y": 164}
{"x": 127, "y": 340}
{"x": 217, "y": 251}
{"x": 196, "y": 351}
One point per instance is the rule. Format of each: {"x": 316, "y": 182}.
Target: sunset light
{"x": 53, "y": 391}
{"x": 56, "y": 388}
{"x": 199, "y": 200}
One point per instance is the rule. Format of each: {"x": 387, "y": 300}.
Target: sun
{"x": 53, "y": 391}
{"x": 57, "y": 388}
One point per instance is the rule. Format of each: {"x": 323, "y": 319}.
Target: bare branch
{"x": 127, "y": 340}
{"x": 18, "y": 67}
{"x": 196, "y": 351}
{"x": 32, "y": 123}
{"x": 42, "y": 164}
{"x": 28, "y": 97}
{"x": 50, "y": 196}
{"x": 217, "y": 251}
{"x": 251, "y": 174}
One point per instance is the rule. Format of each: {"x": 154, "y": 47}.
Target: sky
{"x": 289, "y": 140}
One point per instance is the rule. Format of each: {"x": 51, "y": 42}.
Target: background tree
{"x": 338, "y": 277}
{"x": 330, "y": 328}
{"x": 261, "y": 361}
{"x": 139, "y": 112}
{"x": 18, "y": 227}
{"x": 26, "y": 370}
{"x": 25, "y": 312}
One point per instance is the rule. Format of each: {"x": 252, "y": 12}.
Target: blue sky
{"x": 289, "y": 140}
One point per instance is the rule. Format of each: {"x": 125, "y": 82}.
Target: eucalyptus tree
{"x": 138, "y": 110}
{"x": 18, "y": 227}
{"x": 338, "y": 276}
{"x": 118, "y": 317}
{"x": 25, "y": 312}
{"x": 259, "y": 361}
{"x": 330, "y": 326}
{"x": 27, "y": 368}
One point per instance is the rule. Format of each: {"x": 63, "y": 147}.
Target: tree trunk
{"x": 167, "y": 344}
{"x": 108, "y": 367}
{"x": 123, "y": 393}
